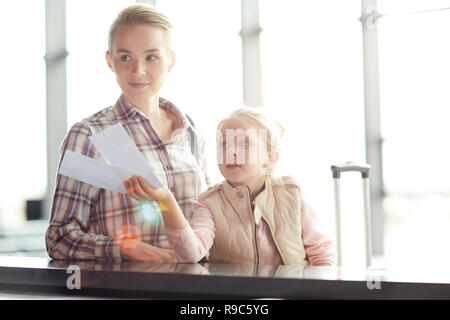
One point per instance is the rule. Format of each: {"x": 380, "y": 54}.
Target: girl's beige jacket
{"x": 236, "y": 215}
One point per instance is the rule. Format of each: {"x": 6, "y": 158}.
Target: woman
{"x": 91, "y": 223}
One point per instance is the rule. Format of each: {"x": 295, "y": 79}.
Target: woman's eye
{"x": 151, "y": 58}
{"x": 125, "y": 58}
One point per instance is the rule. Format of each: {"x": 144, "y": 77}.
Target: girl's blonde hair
{"x": 260, "y": 115}
{"x": 136, "y": 14}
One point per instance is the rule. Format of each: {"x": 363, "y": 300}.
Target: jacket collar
{"x": 263, "y": 202}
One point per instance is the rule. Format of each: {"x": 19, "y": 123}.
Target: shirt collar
{"x": 124, "y": 111}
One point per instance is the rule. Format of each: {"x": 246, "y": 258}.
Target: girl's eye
{"x": 244, "y": 144}
{"x": 125, "y": 58}
{"x": 151, "y": 58}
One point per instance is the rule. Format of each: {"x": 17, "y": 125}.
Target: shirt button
{"x": 240, "y": 194}
{"x": 168, "y": 167}
{"x": 172, "y": 189}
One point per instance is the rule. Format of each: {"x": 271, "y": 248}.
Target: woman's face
{"x": 140, "y": 59}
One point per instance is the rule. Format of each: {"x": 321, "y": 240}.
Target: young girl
{"x": 250, "y": 217}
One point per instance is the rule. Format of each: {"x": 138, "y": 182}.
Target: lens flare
{"x": 150, "y": 211}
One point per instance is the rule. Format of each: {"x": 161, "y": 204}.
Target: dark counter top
{"x": 218, "y": 281}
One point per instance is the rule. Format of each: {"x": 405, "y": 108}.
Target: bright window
{"x": 91, "y": 85}
{"x": 313, "y": 79}
{"x": 23, "y": 167}
{"x": 206, "y": 81}
{"x": 414, "y": 82}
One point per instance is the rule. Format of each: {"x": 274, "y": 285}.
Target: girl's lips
{"x": 138, "y": 85}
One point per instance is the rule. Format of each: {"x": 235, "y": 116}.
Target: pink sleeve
{"x": 319, "y": 247}
{"x": 193, "y": 242}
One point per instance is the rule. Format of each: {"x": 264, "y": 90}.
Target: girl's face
{"x": 242, "y": 154}
{"x": 140, "y": 59}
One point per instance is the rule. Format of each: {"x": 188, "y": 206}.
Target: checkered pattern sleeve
{"x": 67, "y": 236}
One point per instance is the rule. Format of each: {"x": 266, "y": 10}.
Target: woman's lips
{"x": 138, "y": 85}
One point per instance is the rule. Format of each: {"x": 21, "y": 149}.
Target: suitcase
{"x": 364, "y": 169}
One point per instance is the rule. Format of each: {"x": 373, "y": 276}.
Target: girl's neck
{"x": 148, "y": 106}
{"x": 255, "y": 186}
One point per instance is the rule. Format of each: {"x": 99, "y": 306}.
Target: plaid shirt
{"x": 87, "y": 222}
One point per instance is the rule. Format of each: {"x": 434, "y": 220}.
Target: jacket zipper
{"x": 276, "y": 244}
{"x": 254, "y": 224}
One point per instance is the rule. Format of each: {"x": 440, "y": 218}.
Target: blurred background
{"x": 351, "y": 80}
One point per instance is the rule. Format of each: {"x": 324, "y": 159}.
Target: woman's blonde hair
{"x": 260, "y": 115}
{"x": 136, "y": 14}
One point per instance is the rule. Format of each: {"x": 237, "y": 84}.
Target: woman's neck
{"x": 148, "y": 106}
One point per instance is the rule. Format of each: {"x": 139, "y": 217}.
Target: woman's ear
{"x": 173, "y": 59}
{"x": 108, "y": 61}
